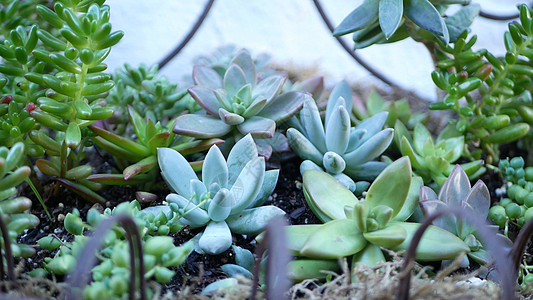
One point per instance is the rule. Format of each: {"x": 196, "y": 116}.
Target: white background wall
{"x": 291, "y": 31}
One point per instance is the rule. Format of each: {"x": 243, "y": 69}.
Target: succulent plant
{"x": 226, "y": 199}
{"x": 432, "y": 159}
{"x": 386, "y": 21}
{"x": 358, "y": 228}
{"x": 112, "y": 274}
{"x": 13, "y": 208}
{"x": 239, "y": 103}
{"x": 457, "y": 192}
{"x": 143, "y": 151}
{"x": 345, "y": 152}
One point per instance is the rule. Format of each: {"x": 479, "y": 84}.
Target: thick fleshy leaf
{"x": 244, "y": 257}
{"x": 201, "y": 126}
{"x": 215, "y": 169}
{"x": 141, "y": 166}
{"x": 234, "y": 270}
{"x": 176, "y": 171}
{"x": 412, "y": 200}
{"x": 325, "y": 194}
{"x": 259, "y": 127}
{"x": 333, "y": 163}
{"x": 456, "y": 188}
{"x": 370, "y": 149}
{"x": 255, "y": 107}
{"x": 346, "y": 181}
{"x": 220, "y": 205}
{"x": 335, "y": 239}
{"x": 230, "y": 118}
{"x": 206, "y": 99}
{"x": 222, "y": 284}
{"x": 371, "y": 255}
{"x": 312, "y": 124}
{"x": 355, "y": 139}
{"x": 425, "y": 15}
{"x": 139, "y": 125}
{"x": 244, "y": 60}
{"x": 454, "y": 148}
{"x": 372, "y": 125}
{"x": 405, "y": 148}
{"x": 216, "y": 238}
{"x": 196, "y": 216}
{"x": 269, "y": 184}
{"x": 313, "y": 86}
{"x": 390, "y": 236}
{"x": 427, "y": 193}
{"x": 338, "y": 129}
{"x": 461, "y": 20}
{"x": 436, "y": 243}
{"x": 297, "y": 235}
{"x": 234, "y": 80}
{"x": 342, "y": 89}
{"x": 252, "y": 221}
{"x": 303, "y": 147}
{"x": 420, "y": 135}
{"x": 447, "y": 222}
{"x": 206, "y": 77}
{"x": 302, "y": 269}
{"x": 391, "y": 186}
{"x": 284, "y": 106}
{"x": 359, "y": 18}
{"x": 242, "y": 152}
{"x": 390, "y": 16}
{"x": 366, "y": 171}
{"x": 248, "y": 184}
{"x": 159, "y": 140}
{"x": 479, "y": 199}
{"x": 269, "y": 87}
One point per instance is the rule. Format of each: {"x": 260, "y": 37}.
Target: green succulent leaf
{"x": 312, "y": 124}
{"x": 303, "y": 147}
{"x": 342, "y": 89}
{"x": 302, "y": 269}
{"x": 254, "y": 220}
{"x": 215, "y": 169}
{"x": 390, "y": 16}
{"x": 176, "y": 170}
{"x": 371, "y": 148}
{"x": 216, "y": 238}
{"x": 436, "y": 243}
{"x": 371, "y": 255}
{"x": 425, "y": 15}
{"x": 387, "y": 237}
{"x": 461, "y": 20}
{"x": 242, "y": 152}
{"x": 220, "y": 206}
{"x": 338, "y": 238}
{"x": 201, "y": 126}
{"x": 326, "y": 196}
{"x": 411, "y": 202}
{"x": 338, "y": 128}
{"x": 297, "y": 235}
{"x": 359, "y": 18}
{"x": 248, "y": 184}
{"x": 391, "y": 187}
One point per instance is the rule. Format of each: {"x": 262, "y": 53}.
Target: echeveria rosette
{"x": 238, "y": 103}
{"x": 226, "y": 198}
{"x": 358, "y": 229}
{"x": 345, "y": 152}
{"x": 457, "y": 192}
{"x": 432, "y": 159}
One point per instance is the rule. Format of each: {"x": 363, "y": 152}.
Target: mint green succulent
{"x": 433, "y": 159}
{"x": 226, "y": 198}
{"x": 457, "y": 192}
{"x": 359, "y": 228}
{"x": 239, "y": 103}
{"x": 345, "y": 152}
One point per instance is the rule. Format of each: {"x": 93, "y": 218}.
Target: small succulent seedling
{"x": 238, "y": 103}
{"x": 225, "y": 200}
{"x": 343, "y": 151}
{"x": 433, "y": 159}
{"x": 457, "y": 192}
{"x": 358, "y": 228}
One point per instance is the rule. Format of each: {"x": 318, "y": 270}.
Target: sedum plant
{"x": 457, "y": 192}
{"x": 239, "y": 103}
{"x": 111, "y": 276}
{"x": 388, "y": 21}
{"x": 491, "y": 95}
{"x": 343, "y": 151}
{"x": 433, "y": 159}
{"x": 13, "y": 209}
{"x": 359, "y": 228}
{"x": 226, "y": 198}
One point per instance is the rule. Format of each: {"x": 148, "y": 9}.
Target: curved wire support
{"x": 520, "y": 244}
{"x": 494, "y": 17}
{"x": 352, "y": 53}
{"x": 78, "y": 277}
{"x": 9, "y": 254}
{"x": 188, "y": 37}
{"x": 502, "y": 260}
